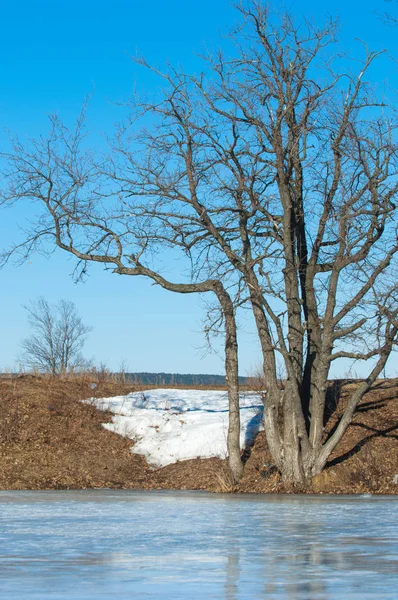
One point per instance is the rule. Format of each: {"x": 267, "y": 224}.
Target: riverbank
{"x": 49, "y": 439}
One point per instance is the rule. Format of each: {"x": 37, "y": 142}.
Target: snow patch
{"x": 172, "y": 425}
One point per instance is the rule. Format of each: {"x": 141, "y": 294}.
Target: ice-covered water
{"x": 111, "y": 544}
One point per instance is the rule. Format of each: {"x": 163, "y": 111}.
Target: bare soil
{"x": 51, "y": 440}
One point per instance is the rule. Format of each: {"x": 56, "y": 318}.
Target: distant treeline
{"x": 177, "y": 379}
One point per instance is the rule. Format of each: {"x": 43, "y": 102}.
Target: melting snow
{"x": 172, "y": 425}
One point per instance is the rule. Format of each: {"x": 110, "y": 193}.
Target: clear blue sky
{"x": 52, "y": 54}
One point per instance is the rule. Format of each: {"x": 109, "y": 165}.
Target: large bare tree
{"x": 275, "y": 174}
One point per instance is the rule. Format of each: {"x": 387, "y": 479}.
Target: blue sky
{"x": 52, "y": 54}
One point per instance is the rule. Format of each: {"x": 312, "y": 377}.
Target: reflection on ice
{"x": 83, "y": 545}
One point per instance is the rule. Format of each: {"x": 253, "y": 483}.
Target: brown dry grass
{"x": 50, "y": 440}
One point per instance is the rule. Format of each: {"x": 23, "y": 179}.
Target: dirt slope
{"x": 50, "y": 440}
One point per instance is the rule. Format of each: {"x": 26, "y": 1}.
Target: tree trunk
{"x": 233, "y": 440}
{"x": 232, "y": 381}
{"x": 292, "y": 463}
{"x": 287, "y": 437}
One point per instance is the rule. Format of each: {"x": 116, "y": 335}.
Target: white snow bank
{"x": 172, "y": 425}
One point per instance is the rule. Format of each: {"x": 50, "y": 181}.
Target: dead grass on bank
{"x": 50, "y": 440}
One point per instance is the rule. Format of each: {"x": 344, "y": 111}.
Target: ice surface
{"x": 173, "y": 545}
{"x": 172, "y": 425}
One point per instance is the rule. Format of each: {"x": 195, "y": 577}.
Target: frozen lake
{"x": 122, "y": 544}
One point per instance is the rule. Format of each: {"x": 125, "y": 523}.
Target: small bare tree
{"x": 57, "y": 339}
{"x": 275, "y": 174}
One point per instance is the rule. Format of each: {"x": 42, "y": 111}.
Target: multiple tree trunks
{"x": 274, "y": 176}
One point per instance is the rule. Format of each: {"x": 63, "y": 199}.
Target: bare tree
{"x": 57, "y": 339}
{"x": 274, "y": 173}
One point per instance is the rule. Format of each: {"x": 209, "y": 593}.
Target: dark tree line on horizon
{"x": 190, "y": 379}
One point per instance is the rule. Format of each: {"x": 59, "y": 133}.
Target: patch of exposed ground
{"x": 50, "y": 440}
